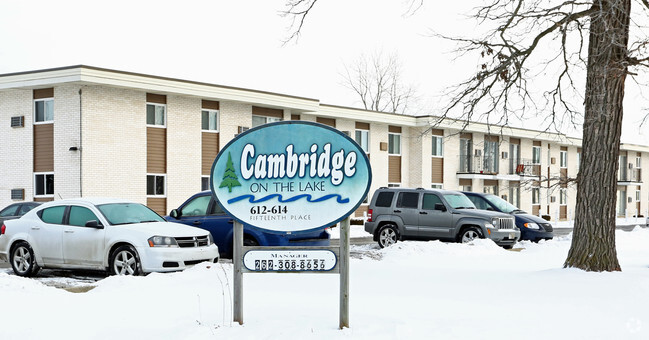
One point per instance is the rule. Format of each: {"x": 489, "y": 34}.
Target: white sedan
{"x": 123, "y": 237}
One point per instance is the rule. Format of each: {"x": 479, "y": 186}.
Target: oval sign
{"x": 291, "y": 176}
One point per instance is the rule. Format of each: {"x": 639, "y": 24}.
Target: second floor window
{"x": 563, "y": 197}
{"x": 210, "y": 120}
{"x": 563, "y": 159}
{"x": 261, "y": 120}
{"x": 438, "y": 146}
{"x": 394, "y": 144}
{"x": 536, "y": 155}
{"x": 44, "y": 110}
{"x": 362, "y": 137}
{"x": 156, "y": 115}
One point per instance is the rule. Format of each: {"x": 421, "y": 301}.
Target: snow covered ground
{"x": 413, "y": 290}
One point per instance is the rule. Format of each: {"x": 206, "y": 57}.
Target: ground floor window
{"x": 156, "y": 185}
{"x": 491, "y": 189}
{"x": 536, "y": 195}
{"x": 205, "y": 183}
{"x": 44, "y": 184}
{"x": 465, "y": 188}
{"x": 394, "y": 185}
{"x": 437, "y": 186}
{"x": 515, "y": 196}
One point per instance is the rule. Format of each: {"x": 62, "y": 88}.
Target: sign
{"x": 289, "y": 260}
{"x": 291, "y": 176}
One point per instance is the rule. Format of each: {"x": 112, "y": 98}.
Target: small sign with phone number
{"x": 289, "y": 260}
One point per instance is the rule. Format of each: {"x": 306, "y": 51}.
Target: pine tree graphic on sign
{"x": 230, "y": 178}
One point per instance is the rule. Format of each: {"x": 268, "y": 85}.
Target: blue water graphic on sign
{"x": 251, "y": 198}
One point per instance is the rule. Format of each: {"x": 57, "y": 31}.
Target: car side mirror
{"x": 94, "y": 224}
{"x": 490, "y": 208}
{"x": 440, "y": 207}
{"x": 174, "y": 213}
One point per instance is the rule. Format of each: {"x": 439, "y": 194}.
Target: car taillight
{"x": 2, "y": 229}
{"x": 369, "y": 215}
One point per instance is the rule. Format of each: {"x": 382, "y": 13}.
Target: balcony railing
{"x": 632, "y": 175}
{"x": 478, "y": 164}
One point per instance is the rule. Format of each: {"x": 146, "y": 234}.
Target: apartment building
{"x": 86, "y": 131}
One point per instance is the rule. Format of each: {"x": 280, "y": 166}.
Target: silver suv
{"x": 420, "y": 214}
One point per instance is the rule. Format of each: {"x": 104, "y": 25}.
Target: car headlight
{"x": 162, "y": 241}
{"x": 531, "y": 225}
{"x": 489, "y": 225}
{"x": 496, "y": 222}
{"x": 210, "y": 240}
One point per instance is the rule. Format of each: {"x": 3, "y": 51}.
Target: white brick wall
{"x": 114, "y": 143}
{"x": 16, "y": 145}
{"x": 66, "y": 135}
{"x": 184, "y": 152}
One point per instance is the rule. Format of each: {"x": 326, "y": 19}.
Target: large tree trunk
{"x": 593, "y": 242}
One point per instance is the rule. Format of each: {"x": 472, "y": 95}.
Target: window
{"x": 490, "y": 189}
{"x": 43, "y": 110}
{"x": 210, "y": 120}
{"x": 536, "y": 195}
{"x": 384, "y": 199}
{"x": 79, "y": 216}
{"x": 437, "y": 186}
{"x": 362, "y": 137}
{"x": 394, "y": 144}
{"x": 466, "y": 149}
{"x": 563, "y": 159}
{"x": 216, "y": 209}
{"x": 491, "y": 156}
{"x": 638, "y": 162}
{"x": 52, "y": 215}
{"x": 465, "y": 188}
{"x": 536, "y": 155}
{"x": 515, "y": 195}
{"x": 563, "y": 197}
{"x": 156, "y": 115}
{"x": 44, "y": 184}
{"x": 394, "y": 185}
{"x": 408, "y": 200}
{"x": 205, "y": 183}
{"x": 197, "y": 206}
{"x": 155, "y": 185}
{"x": 429, "y": 201}
{"x": 637, "y": 195}
{"x": 578, "y": 159}
{"x": 438, "y": 146}
{"x": 261, "y": 120}
{"x": 11, "y": 210}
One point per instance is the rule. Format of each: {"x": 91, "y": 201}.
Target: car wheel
{"x": 470, "y": 234}
{"x": 250, "y": 242}
{"x": 387, "y": 236}
{"x": 125, "y": 261}
{"x": 23, "y": 260}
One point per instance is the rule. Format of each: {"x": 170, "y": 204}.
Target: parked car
{"x": 123, "y": 237}
{"x": 203, "y": 211}
{"x": 532, "y": 227}
{"x": 419, "y": 214}
{"x": 16, "y": 210}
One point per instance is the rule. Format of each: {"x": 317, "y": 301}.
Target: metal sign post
{"x": 237, "y": 261}
{"x": 344, "y": 273}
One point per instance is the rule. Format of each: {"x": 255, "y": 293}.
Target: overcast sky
{"x": 239, "y": 43}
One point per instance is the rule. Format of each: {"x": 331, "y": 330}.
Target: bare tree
{"x": 377, "y": 80}
{"x": 590, "y": 35}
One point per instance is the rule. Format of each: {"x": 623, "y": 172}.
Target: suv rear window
{"x": 408, "y": 200}
{"x": 384, "y": 199}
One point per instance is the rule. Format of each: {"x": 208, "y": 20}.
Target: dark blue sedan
{"x": 533, "y": 228}
{"x": 202, "y": 211}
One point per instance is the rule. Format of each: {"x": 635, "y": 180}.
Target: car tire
{"x": 250, "y": 242}
{"x": 508, "y": 247}
{"x": 388, "y": 235}
{"x": 23, "y": 260}
{"x": 470, "y": 234}
{"x": 125, "y": 261}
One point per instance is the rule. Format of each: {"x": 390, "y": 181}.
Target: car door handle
{"x": 230, "y": 221}
{"x": 69, "y": 231}
{"x": 423, "y": 213}
{"x": 197, "y": 222}
{"x": 397, "y": 211}
{"x": 36, "y": 228}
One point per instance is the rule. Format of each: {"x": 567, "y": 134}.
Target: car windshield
{"x": 127, "y": 213}
{"x": 501, "y": 204}
{"x": 459, "y": 201}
